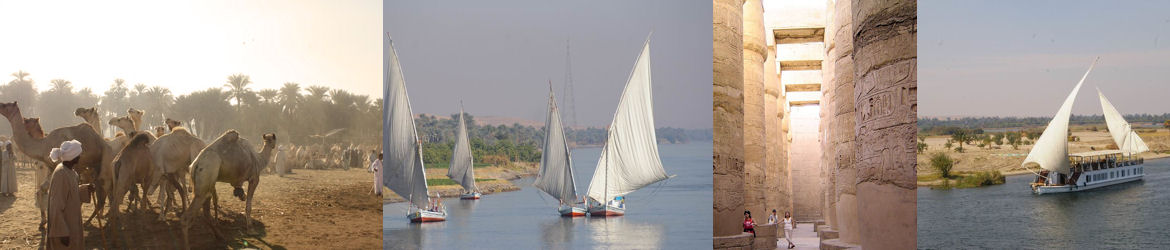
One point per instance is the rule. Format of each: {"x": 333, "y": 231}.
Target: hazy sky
{"x": 1022, "y": 58}
{"x": 498, "y": 56}
{"x": 193, "y": 45}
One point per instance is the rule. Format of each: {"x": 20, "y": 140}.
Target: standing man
{"x": 376, "y": 168}
{"x": 65, "y": 199}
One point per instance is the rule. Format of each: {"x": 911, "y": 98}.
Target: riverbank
{"x": 1006, "y": 160}
{"x": 501, "y": 180}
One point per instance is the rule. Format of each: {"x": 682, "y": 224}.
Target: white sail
{"x": 1051, "y": 149}
{"x": 1127, "y": 140}
{"x": 403, "y": 166}
{"x": 462, "y": 165}
{"x": 629, "y": 160}
{"x": 555, "y": 176}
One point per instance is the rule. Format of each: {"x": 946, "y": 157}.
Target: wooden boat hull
{"x": 606, "y": 211}
{"x": 470, "y": 196}
{"x": 567, "y": 211}
{"x": 420, "y": 216}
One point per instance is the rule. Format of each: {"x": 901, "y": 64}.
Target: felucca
{"x": 404, "y": 172}
{"x": 462, "y": 169}
{"x": 629, "y": 159}
{"x": 1064, "y": 172}
{"x": 555, "y": 176}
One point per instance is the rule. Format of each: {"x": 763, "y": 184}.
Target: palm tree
{"x": 317, "y": 92}
{"x": 290, "y": 96}
{"x": 238, "y": 87}
{"x": 268, "y": 95}
{"x": 20, "y": 75}
{"x": 61, "y": 85}
{"x": 21, "y": 90}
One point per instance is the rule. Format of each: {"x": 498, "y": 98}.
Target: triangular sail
{"x": 629, "y": 160}
{"x": 1051, "y": 149}
{"x": 462, "y": 165}
{"x": 556, "y": 166}
{"x": 1127, "y": 140}
{"x": 403, "y": 166}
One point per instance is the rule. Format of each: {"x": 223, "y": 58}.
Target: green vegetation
{"x": 501, "y": 145}
{"x": 445, "y": 181}
{"x": 936, "y": 126}
{"x": 942, "y": 163}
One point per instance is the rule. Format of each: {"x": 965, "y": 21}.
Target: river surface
{"x": 1134, "y": 215}
{"x": 673, "y": 214}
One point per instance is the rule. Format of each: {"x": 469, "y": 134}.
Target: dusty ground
{"x": 1008, "y": 160}
{"x": 305, "y": 210}
{"x": 501, "y": 174}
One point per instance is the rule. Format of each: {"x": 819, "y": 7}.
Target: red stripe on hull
{"x": 573, "y": 214}
{"x": 607, "y": 213}
{"x": 469, "y": 198}
{"x": 427, "y": 219}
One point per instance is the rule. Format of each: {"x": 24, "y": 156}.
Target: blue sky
{"x": 1021, "y": 58}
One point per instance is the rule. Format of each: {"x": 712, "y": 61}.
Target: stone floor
{"x": 804, "y": 238}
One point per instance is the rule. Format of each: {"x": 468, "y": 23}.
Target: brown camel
{"x": 96, "y": 154}
{"x": 159, "y": 131}
{"x": 172, "y": 124}
{"x": 34, "y": 128}
{"x": 132, "y": 165}
{"x": 91, "y": 117}
{"x": 172, "y": 154}
{"x": 229, "y": 159}
{"x": 136, "y": 116}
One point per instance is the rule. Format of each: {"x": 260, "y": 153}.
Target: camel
{"x": 91, "y": 116}
{"x": 96, "y": 154}
{"x": 159, "y": 131}
{"x": 34, "y": 128}
{"x": 132, "y": 165}
{"x": 172, "y": 124}
{"x": 229, "y": 159}
{"x": 136, "y": 116}
{"x": 172, "y": 154}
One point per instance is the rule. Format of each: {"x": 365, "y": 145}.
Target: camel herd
{"x": 136, "y": 162}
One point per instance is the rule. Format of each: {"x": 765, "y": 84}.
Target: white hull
{"x": 1095, "y": 179}
{"x": 571, "y": 211}
{"x": 420, "y": 215}
{"x": 470, "y": 196}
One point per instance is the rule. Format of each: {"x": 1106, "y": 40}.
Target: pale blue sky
{"x": 498, "y": 56}
{"x": 1021, "y": 58}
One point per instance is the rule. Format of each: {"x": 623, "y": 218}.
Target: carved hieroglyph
{"x": 728, "y": 165}
{"x": 754, "y": 50}
{"x": 885, "y": 69}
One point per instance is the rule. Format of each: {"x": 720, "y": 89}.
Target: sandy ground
{"x": 305, "y": 210}
{"x": 1008, "y": 160}
{"x": 502, "y": 175}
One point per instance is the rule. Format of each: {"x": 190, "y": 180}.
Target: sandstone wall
{"x": 804, "y": 158}
{"x": 777, "y": 195}
{"x": 885, "y": 70}
{"x": 728, "y": 163}
{"x": 754, "y": 50}
{"x": 843, "y": 119}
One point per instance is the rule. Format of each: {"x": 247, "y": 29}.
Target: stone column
{"x": 885, "y": 69}
{"x": 778, "y": 195}
{"x": 754, "y": 50}
{"x": 828, "y": 155}
{"x": 728, "y": 165}
{"x": 843, "y": 129}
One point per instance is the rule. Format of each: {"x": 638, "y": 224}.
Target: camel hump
{"x": 180, "y": 130}
{"x": 139, "y": 139}
{"x": 231, "y": 136}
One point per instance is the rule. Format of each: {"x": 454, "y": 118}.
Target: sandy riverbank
{"x": 501, "y": 174}
{"x": 308, "y": 209}
{"x": 1007, "y": 161}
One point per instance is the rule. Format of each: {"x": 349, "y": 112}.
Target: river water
{"x": 1133, "y": 215}
{"x": 673, "y": 214}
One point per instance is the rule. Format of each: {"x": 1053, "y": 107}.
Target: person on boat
{"x": 772, "y": 218}
{"x": 376, "y": 168}
{"x": 7, "y": 171}
{"x": 64, "y": 212}
{"x": 788, "y": 226}
{"x": 748, "y": 224}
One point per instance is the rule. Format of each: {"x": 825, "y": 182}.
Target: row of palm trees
{"x": 302, "y": 115}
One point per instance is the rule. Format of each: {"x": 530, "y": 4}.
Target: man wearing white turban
{"x": 65, "y": 230}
